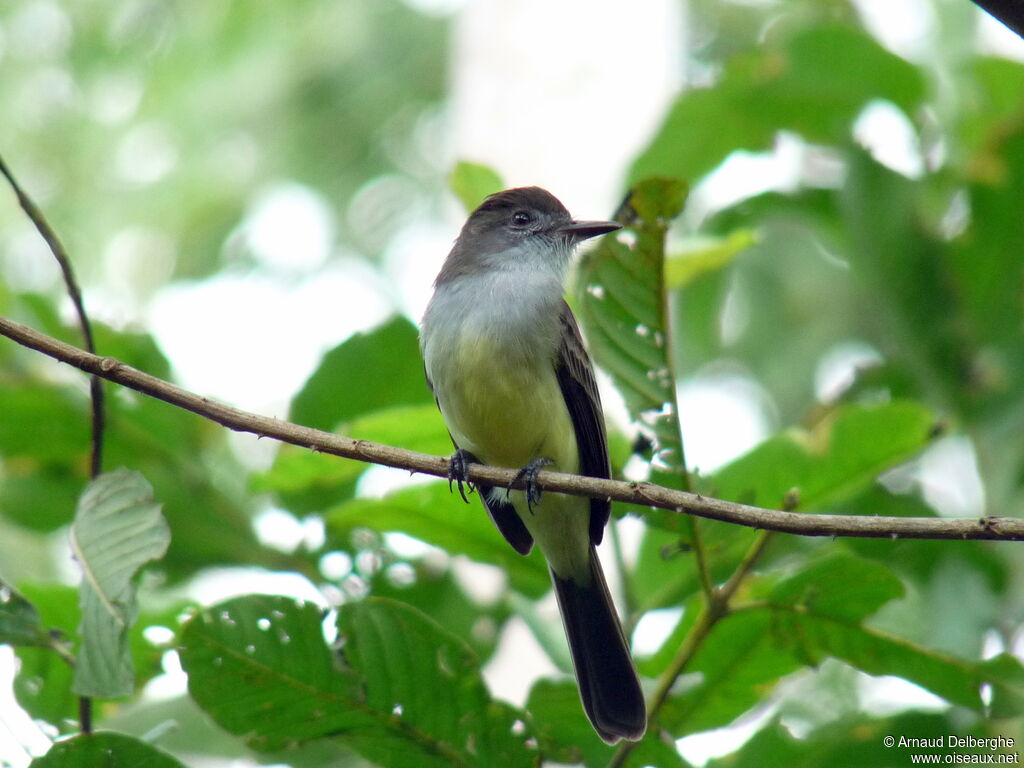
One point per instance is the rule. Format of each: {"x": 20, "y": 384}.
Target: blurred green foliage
{"x": 172, "y": 118}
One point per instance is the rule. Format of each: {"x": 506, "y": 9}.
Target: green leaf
{"x": 437, "y": 593}
{"x": 682, "y": 268}
{"x": 841, "y": 456}
{"x": 369, "y": 371}
{"x": 190, "y": 467}
{"x": 859, "y": 742}
{"x": 1008, "y": 697}
{"x": 402, "y": 692}
{"x": 621, "y": 298}
{"x": 117, "y": 529}
{"x": 737, "y": 664}
{"x": 984, "y": 261}
{"x": 656, "y": 663}
{"x": 431, "y": 513}
{"x": 44, "y": 680}
{"x": 812, "y": 638}
{"x": 41, "y": 496}
{"x": 306, "y": 481}
{"x": 566, "y": 736}
{"x": 840, "y": 587}
{"x": 104, "y": 750}
{"x": 920, "y": 560}
{"x": 43, "y": 424}
{"x": 818, "y": 613}
{"x": 472, "y": 182}
{"x": 413, "y": 427}
{"x": 743, "y": 655}
{"x": 44, "y": 446}
{"x": 309, "y": 481}
{"x": 271, "y": 651}
{"x": 666, "y": 571}
{"x": 954, "y": 592}
{"x": 19, "y": 620}
{"x": 564, "y": 733}
{"x": 815, "y": 83}
{"x": 423, "y": 679}
{"x": 43, "y": 683}
{"x": 901, "y": 272}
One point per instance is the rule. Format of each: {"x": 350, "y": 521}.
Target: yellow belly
{"x": 508, "y": 412}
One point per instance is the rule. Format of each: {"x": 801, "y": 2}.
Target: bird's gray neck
{"x": 517, "y": 309}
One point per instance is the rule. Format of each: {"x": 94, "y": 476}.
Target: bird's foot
{"x": 458, "y": 472}
{"x": 529, "y": 472}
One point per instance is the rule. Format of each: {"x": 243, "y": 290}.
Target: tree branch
{"x": 640, "y": 493}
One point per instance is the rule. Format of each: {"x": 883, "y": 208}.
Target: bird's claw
{"x": 458, "y": 471}
{"x": 529, "y": 472}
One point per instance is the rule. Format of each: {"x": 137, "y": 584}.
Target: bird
{"x": 506, "y": 362}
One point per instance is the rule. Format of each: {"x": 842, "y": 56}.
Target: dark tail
{"x": 607, "y": 679}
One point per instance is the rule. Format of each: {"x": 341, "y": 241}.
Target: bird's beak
{"x": 581, "y": 230}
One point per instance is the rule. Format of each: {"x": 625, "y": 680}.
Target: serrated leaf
{"x": 431, "y": 513}
{"x": 118, "y": 528}
{"x": 104, "y": 750}
{"x": 259, "y": 666}
{"x": 402, "y": 691}
{"x": 472, "y": 182}
{"x": 620, "y": 294}
{"x": 439, "y": 594}
{"x": 426, "y": 680}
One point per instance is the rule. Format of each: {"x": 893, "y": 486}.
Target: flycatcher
{"x": 506, "y": 362}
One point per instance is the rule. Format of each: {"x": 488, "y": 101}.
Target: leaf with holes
{"x": 117, "y": 529}
{"x": 401, "y": 691}
{"x": 622, "y": 303}
{"x": 428, "y": 683}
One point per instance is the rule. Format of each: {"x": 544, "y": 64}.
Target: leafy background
{"x": 869, "y": 304}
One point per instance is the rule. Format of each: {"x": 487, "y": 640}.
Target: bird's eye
{"x": 521, "y": 218}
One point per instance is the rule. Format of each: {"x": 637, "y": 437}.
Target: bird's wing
{"x": 575, "y": 375}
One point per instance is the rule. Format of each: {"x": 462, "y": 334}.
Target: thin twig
{"x": 644, "y": 494}
{"x": 95, "y": 382}
{"x": 700, "y": 560}
{"x": 71, "y": 284}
